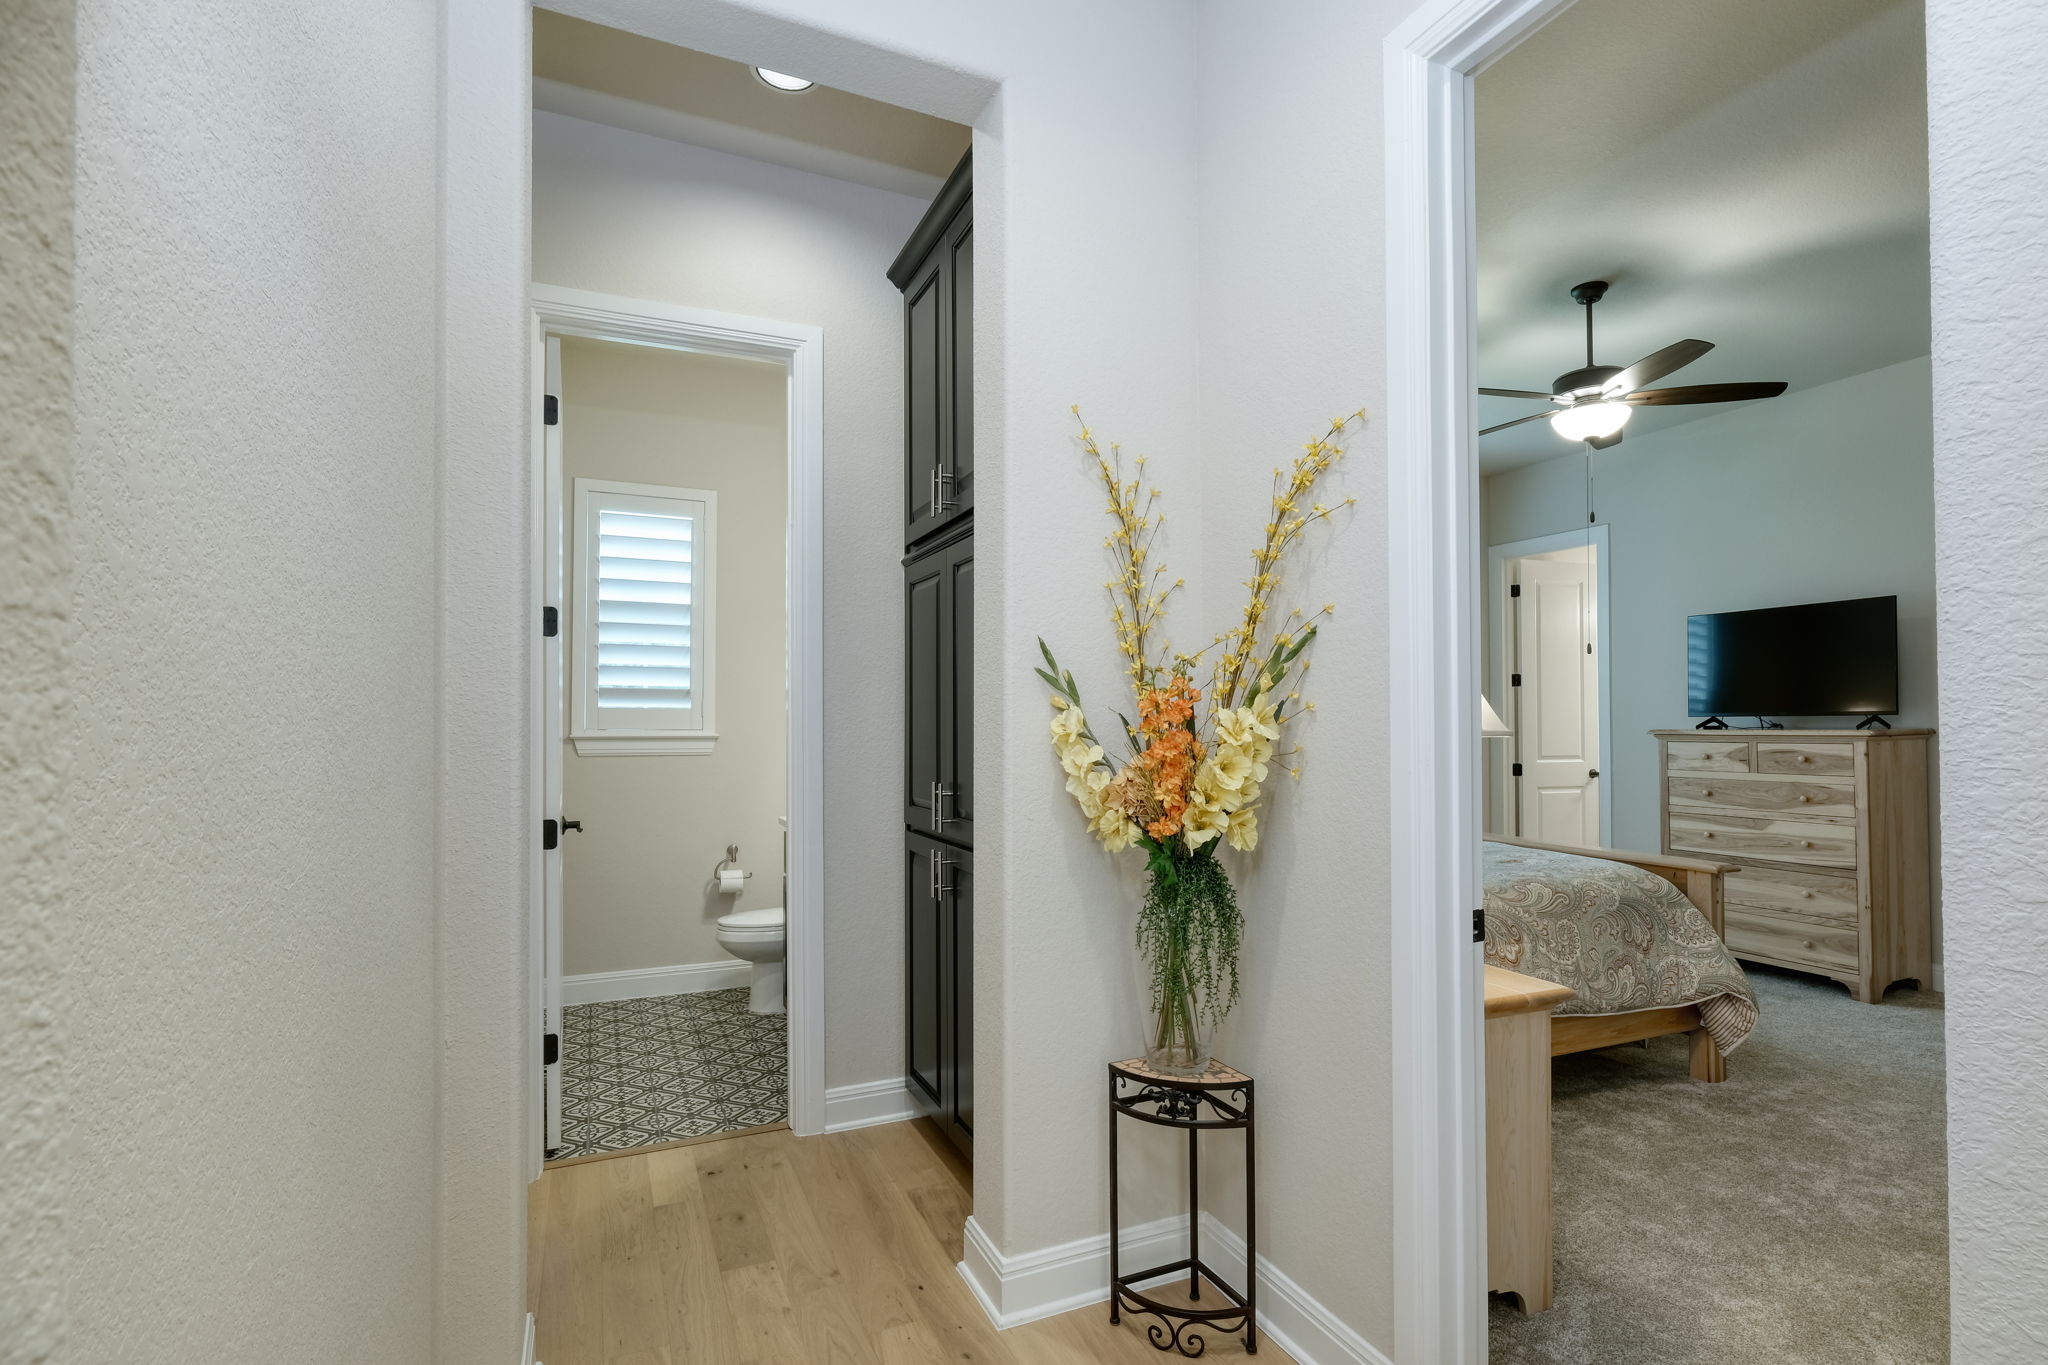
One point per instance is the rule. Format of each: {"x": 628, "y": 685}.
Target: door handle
{"x": 940, "y": 791}
{"x": 942, "y": 481}
{"x": 572, "y": 826}
{"x": 938, "y": 877}
{"x": 1592, "y": 773}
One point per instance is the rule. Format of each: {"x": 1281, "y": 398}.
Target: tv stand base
{"x": 1873, "y": 722}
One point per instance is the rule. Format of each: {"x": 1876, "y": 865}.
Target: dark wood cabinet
{"x": 935, "y": 271}
{"x": 938, "y": 768}
{"x": 939, "y": 970}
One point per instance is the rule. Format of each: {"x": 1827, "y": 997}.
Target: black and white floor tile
{"x": 640, "y": 1072}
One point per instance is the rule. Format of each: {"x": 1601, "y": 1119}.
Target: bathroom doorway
{"x": 669, "y": 587}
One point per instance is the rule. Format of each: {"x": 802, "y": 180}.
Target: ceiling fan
{"x": 1593, "y": 403}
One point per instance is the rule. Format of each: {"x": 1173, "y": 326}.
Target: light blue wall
{"x": 1817, "y": 495}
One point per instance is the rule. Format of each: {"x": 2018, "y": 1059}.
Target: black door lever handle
{"x": 568, "y": 825}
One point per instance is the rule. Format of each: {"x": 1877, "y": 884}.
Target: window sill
{"x": 617, "y": 744}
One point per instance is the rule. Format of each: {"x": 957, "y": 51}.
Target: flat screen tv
{"x": 1815, "y": 659}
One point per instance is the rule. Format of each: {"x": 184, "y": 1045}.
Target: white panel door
{"x": 1557, "y": 724}
{"x": 553, "y": 718}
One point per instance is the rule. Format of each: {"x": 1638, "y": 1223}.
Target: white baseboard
{"x": 1059, "y": 1279}
{"x": 1055, "y": 1280}
{"x": 526, "y": 1353}
{"x": 866, "y": 1104}
{"x": 1297, "y": 1323}
{"x": 595, "y": 988}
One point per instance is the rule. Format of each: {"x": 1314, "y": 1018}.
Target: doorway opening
{"x": 1799, "y": 881}
{"x": 1547, "y": 652}
{"x": 679, "y": 746}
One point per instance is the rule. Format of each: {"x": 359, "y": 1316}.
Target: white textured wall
{"x": 636, "y": 882}
{"x": 36, "y": 64}
{"x": 626, "y": 213}
{"x": 1292, "y": 335}
{"x": 251, "y": 808}
{"x": 1988, "y": 145}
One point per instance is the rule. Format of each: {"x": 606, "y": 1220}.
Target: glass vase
{"x": 1186, "y": 964}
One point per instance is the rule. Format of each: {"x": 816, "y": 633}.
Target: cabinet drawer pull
{"x": 1806, "y": 758}
{"x": 940, "y": 791}
{"x": 938, "y": 878}
{"x": 1804, "y": 799}
{"x": 1706, "y": 791}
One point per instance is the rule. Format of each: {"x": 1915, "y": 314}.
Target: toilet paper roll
{"x": 731, "y": 881}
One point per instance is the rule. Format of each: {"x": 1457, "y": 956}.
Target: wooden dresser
{"x": 1829, "y": 828}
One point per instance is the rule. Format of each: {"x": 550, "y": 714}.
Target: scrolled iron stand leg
{"x": 1251, "y": 1228}
{"x": 1115, "y": 1288}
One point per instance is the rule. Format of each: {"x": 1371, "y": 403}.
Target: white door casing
{"x": 1557, "y": 706}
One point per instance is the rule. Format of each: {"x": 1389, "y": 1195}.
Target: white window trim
{"x": 590, "y": 736}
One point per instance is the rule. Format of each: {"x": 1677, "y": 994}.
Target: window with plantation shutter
{"x": 642, "y": 625}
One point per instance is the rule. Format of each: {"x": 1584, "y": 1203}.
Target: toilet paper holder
{"x": 731, "y": 859}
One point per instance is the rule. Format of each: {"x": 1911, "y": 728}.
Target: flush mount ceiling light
{"x": 782, "y": 82}
{"x": 1595, "y": 402}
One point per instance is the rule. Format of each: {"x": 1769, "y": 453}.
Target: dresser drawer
{"x": 1820, "y": 759}
{"x": 1828, "y": 897}
{"x": 1780, "y": 938}
{"x": 1698, "y": 756}
{"x": 1756, "y": 794}
{"x": 1783, "y": 841}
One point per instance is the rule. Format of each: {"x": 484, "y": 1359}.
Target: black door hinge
{"x": 551, "y": 411}
{"x": 550, "y": 1048}
{"x": 1517, "y": 772}
{"x": 550, "y": 834}
{"x": 1514, "y": 589}
{"x": 1514, "y": 680}
{"x": 550, "y": 621}
{"x": 1479, "y": 925}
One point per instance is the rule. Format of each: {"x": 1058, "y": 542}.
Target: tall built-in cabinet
{"x": 935, "y": 271}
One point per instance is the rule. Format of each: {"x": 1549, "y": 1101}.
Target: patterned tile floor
{"x": 639, "y": 1072}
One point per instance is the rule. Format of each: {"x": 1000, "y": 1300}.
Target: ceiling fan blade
{"x": 1516, "y": 393}
{"x": 1488, "y": 431}
{"x": 1656, "y": 365}
{"x": 1602, "y": 442}
{"x": 1704, "y": 393}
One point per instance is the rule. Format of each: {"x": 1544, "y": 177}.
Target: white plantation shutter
{"x": 644, "y": 619}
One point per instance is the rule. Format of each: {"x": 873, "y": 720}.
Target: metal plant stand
{"x": 1221, "y": 1097}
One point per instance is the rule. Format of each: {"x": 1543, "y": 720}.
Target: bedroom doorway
{"x": 1742, "y": 508}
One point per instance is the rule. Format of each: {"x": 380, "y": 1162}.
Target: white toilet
{"x": 756, "y": 936}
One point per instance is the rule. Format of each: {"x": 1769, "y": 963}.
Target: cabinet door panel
{"x": 956, "y": 758}
{"x": 960, "y": 1100}
{"x": 925, "y": 629}
{"x": 959, "y": 454}
{"x": 924, "y": 971}
{"x": 924, "y": 379}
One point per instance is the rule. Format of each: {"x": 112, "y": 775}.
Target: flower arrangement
{"x": 1196, "y": 762}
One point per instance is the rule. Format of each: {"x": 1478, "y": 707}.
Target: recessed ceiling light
{"x": 782, "y": 82}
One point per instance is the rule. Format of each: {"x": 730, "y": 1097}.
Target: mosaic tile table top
{"x": 640, "y": 1072}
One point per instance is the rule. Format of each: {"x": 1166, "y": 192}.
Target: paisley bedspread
{"x": 1623, "y": 938}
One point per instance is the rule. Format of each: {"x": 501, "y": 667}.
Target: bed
{"x": 1637, "y": 937}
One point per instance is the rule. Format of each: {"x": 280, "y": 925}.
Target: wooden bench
{"x": 1518, "y": 1234}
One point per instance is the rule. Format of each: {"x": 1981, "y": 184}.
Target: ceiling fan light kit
{"x": 1595, "y": 400}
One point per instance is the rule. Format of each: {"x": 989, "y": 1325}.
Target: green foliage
{"x": 1189, "y": 930}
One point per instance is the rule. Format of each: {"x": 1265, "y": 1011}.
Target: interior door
{"x": 552, "y": 722}
{"x": 1557, "y": 705}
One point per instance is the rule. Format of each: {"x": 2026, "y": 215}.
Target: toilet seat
{"x": 753, "y": 922}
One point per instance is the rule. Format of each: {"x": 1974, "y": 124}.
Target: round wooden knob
{"x": 1804, "y": 799}
{"x": 1809, "y": 943}
{"x": 1806, "y": 758}
{"x": 1807, "y": 894}
{"x": 1806, "y": 843}
{"x": 1710, "y": 834}
{"x": 1706, "y": 791}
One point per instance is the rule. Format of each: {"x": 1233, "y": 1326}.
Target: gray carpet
{"x": 1796, "y": 1214}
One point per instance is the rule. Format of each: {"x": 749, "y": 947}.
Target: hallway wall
{"x": 252, "y": 1078}
{"x": 36, "y": 65}
{"x": 636, "y": 880}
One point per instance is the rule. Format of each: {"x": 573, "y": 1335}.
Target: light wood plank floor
{"x": 770, "y": 1249}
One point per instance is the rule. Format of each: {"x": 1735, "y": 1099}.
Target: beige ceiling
{"x": 602, "y": 74}
{"x": 1749, "y": 172}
